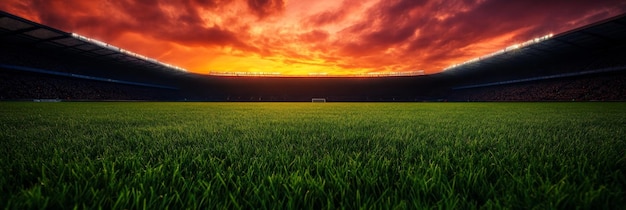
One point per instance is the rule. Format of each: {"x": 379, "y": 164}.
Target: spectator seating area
{"x": 598, "y": 76}
{"x": 18, "y": 85}
{"x": 607, "y": 86}
{"x": 33, "y": 73}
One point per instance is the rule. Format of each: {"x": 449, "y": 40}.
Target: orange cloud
{"x": 325, "y": 36}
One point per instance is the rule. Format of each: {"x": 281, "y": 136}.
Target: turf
{"x": 142, "y": 155}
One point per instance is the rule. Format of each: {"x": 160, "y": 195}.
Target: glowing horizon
{"x": 314, "y": 38}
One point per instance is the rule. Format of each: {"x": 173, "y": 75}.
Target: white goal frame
{"x": 318, "y": 100}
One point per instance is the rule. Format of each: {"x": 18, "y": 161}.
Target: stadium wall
{"x": 21, "y": 85}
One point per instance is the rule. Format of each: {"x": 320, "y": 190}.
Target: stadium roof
{"x": 18, "y": 29}
{"x": 587, "y": 39}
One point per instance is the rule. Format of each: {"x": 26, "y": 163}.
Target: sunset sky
{"x": 316, "y": 36}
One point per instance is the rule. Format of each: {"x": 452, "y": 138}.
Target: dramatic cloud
{"x": 263, "y": 8}
{"x": 325, "y": 36}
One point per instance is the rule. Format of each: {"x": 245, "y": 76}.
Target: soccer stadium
{"x": 584, "y": 64}
{"x": 88, "y": 124}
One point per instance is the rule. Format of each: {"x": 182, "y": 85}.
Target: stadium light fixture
{"x": 126, "y": 52}
{"x": 502, "y": 51}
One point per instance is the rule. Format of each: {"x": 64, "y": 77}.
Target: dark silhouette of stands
{"x": 609, "y": 86}
{"x": 303, "y": 89}
{"x": 27, "y": 86}
{"x": 35, "y": 73}
{"x": 599, "y": 76}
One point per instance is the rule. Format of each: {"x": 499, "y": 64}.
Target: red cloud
{"x": 263, "y": 8}
{"x": 352, "y": 35}
{"x": 330, "y": 16}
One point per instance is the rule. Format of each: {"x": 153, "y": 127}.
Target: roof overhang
{"x": 26, "y": 32}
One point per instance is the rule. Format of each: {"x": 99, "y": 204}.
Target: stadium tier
{"x": 38, "y": 61}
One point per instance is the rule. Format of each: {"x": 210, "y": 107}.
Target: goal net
{"x": 322, "y": 100}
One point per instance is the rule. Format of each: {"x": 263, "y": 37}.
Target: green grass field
{"x": 142, "y": 155}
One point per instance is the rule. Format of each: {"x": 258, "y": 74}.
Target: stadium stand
{"x": 18, "y": 85}
{"x": 588, "y": 63}
{"x": 35, "y": 74}
{"x": 37, "y": 61}
{"x": 607, "y": 86}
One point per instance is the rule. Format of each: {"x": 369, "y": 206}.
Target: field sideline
{"x": 147, "y": 155}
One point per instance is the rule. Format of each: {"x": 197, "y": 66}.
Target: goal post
{"x": 318, "y": 100}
